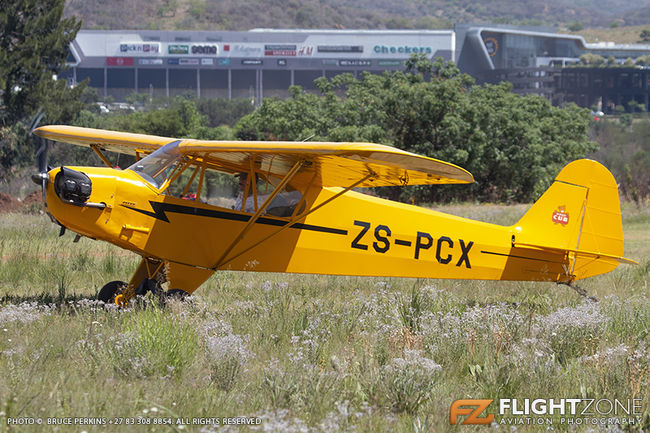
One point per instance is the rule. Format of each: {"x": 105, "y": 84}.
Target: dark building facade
{"x": 606, "y": 88}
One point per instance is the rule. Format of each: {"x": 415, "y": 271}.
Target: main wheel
{"x": 108, "y": 292}
{"x": 148, "y": 285}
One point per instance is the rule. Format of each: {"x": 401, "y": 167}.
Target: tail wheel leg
{"x": 580, "y": 291}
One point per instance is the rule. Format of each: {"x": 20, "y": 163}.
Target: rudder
{"x": 579, "y": 215}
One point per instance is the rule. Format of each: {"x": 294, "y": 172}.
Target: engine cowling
{"x": 72, "y": 186}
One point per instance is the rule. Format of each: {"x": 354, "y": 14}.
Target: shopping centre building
{"x": 265, "y": 62}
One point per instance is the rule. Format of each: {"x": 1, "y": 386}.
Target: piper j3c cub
{"x": 190, "y": 208}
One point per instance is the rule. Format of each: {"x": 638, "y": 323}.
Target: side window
{"x": 220, "y": 189}
{"x": 237, "y": 191}
{"x": 253, "y": 192}
{"x": 186, "y": 184}
{"x": 207, "y": 186}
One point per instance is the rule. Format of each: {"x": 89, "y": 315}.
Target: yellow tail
{"x": 580, "y": 215}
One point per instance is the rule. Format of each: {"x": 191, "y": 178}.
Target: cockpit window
{"x": 159, "y": 166}
{"x": 193, "y": 178}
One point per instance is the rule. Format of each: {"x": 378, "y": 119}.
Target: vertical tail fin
{"x": 580, "y": 215}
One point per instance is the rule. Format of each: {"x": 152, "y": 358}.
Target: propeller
{"x": 41, "y": 156}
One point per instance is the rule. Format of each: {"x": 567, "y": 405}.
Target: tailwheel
{"x": 108, "y": 293}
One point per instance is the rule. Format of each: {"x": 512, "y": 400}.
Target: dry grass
{"x": 620, "y": 35}
{"x": 307, "y": 353}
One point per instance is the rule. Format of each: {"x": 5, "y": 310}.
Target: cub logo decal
{"x": 560, "y": 216}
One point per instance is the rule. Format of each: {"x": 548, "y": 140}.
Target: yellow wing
{"x": 113, "y": 141}
{"x": 334, "y": 164}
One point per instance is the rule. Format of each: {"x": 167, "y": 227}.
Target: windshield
{"x": 158, "y": 166}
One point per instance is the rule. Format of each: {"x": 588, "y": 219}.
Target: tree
{"x": 643, "y": 60}
{"x": 180, "y": 118}
{"x": 221, "y": 111}
{"x": 514, "y": 145}
{"x": 34, "y": 40}
{"x": 645, "y": 35}
{"x": 575, "y": 26}
{"x": 592, "y": 59}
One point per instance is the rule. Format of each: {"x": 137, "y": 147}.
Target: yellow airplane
{"x": 190, "y": 208}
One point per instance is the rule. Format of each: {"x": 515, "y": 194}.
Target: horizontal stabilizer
{"x": 578, "y": 253}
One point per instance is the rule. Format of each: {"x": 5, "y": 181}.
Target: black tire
{"x": 108, "y": 292}
{"x": 177, "y": 294}
{"x": 148, "y": 285}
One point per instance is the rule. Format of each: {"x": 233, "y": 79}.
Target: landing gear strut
{"x": 148, "y": 277}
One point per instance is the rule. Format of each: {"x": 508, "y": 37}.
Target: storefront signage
{"x": 389, "y": 62}
{"x": 354, "y": 62}
{"x": 401, "y": 49}
{"x": 491, "y": 45}
{"x": 140, "y": 48}
{"x": 150, "y": 61}
{"x": 178, "y": 49}
{"x": 340, "y": 48}
{"x": 280, "y": 50}
{"x": 119, "y": 61}
{"x": 205, "y": 49}
{"x": 246, "y": 50}
{"x": 188, "y": 61}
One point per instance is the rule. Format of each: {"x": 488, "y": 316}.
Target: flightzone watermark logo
{"x": 541, "y": 411}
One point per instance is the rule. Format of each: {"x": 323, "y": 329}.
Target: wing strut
{"x": 259, "y": 211}
{"x": 101, "y": 155}
{"x": 291, "y": 222}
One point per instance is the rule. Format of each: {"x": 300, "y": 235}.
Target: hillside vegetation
{"x": 425, "y": 14}
{"x": 620, "y": 35}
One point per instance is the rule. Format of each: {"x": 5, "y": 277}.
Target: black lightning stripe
{"x": 160, "y": 210}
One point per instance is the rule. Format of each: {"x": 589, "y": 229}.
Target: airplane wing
{"x": 334, "y": 164}
{"x": 113, "y": 141}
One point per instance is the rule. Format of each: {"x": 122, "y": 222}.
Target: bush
{"x": 409, "y": 380}
{"x": 513, "y": 145}
{"x": 152, "y": 345}
{"x": 625, "y": 150}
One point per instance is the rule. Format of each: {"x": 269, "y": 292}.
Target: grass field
{"x": 308, "y": 353}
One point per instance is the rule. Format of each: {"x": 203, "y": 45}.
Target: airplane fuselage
{"x": 354, "y": 234}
